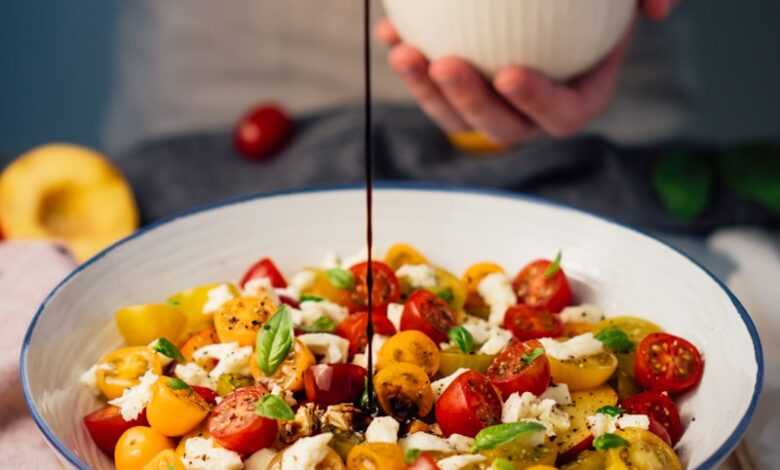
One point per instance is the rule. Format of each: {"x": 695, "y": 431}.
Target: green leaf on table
{"x": 684, "y": 183}
{"x": 753, "y": 171}
{"x": 274, "y": 340}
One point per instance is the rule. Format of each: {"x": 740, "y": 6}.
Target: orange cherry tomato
{"x": 138, "y": 446}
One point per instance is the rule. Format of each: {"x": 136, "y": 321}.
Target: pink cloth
{"x": 28, "y": 271}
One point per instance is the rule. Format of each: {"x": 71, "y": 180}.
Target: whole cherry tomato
{"x": 526, "y": 322}
{"x": 353, "y": 329}
{"x": 667, "y": 363}
{"x": 424, "y": 462}
{"x": 262, "y": 131}
{"x": 539, "y": 285}
{"x": 427, "y": 313}
{"x": 331, "y": 384}
{"x": 106, "y": 425}
{"x": 521, "y": 367}
{"x": 235, "y": 425}
{"x": 468, "y": 405}
{"x": 264, "y": 268}
{"x": 659, "y": 407}
{"x": 138, "y": 446}
{"x": 386, "y": 288}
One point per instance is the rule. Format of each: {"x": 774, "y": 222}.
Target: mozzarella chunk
{"x": 420, "y": 276}
{"x": 356, "y": 258}
{"x": 496, "y": 290}
{"x": 89, "y": 377}
{"x": 559, "y": 393}
{"x": 439, "y": 386}
{"x": 499, "y": 339}
{"x": 460, "y": 443}
{"x": 334, "y": 349}
{"x": 330, "y": 261}
{"x": 361, "y": 359}
{"x": 383, "y": 429}
{"x": 312, "y": 311}
{"x": 306, "y": 453}
{"x": 457, "y": 462}
{"x": 425, "y": 442}
{"x": 217, "y": 297}
{"x": 193, "y": 374}
{"x": 257, "y": 285}
{"x": 259, "y": 460}
{"x": 200, "y": 453}
{"x": 528, "y": 407}
{"x": 580, "y": 346}
{"x": 134, "y": 399}
{"x": 480, "y": 329}
{"x": 303, "y": 280}
{"x": 633, "y": 421}
{"x": 586, "y": 313}
{"x": 394, "y": 312}
{"x": 232, "y": 358}
{"x": 601, "y": 423}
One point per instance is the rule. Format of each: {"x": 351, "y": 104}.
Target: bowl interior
{"x": 617, "y": 268}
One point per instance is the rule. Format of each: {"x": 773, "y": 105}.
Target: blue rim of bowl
{"x": 709, "y": 463}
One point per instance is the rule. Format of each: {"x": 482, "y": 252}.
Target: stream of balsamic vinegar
{"x": 369, "y": 176}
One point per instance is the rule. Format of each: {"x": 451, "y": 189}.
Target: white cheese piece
{"x": 496, "y": 290}
{"x": 456, "y": 462}
{"x": 303, "y": 280}
{"x": 306, "y": 453}
{"x": 633, "y": 421}
{"x": 480, "y": 329}
{"x": 164, "y": 360}
{"x": 312, "y": 311}
{"x": 499, "y": 339}
{"x": 439, "y": 386}
{"x": 586, "y": 313}
{"x": 257, "y": 285}
{"x": 259, "y": 460}
{"x": 193, "y": 374}
{"x": 134, "y": 399}
{"x": 420, "y": 276}
{"x": 89, "y": 377}
{"x": 361, "y": 359}
{"x": 200, "y": 453}
{"x": 217, "y": 297}
{"x": 602, "y": 424}
{"x": 460, "y": 443}
{"x": 394, "y": 312}
{"x": 356, "y": 258}
{"x": 383, "y": 429}
{"x": 334, "y": 349}
{"x": 290, "y": 292}
{"x": 232, "y": 358}
{"x": 580, "y": 346}
{"x": 425, "y": 442}
{"x": 559, "y": 393}
{"x": 330, "y": 261}
{"x": 528, "y": 407}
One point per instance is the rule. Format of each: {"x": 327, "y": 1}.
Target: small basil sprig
{"x": 613, "y": 411}
{"x": 275, "y": 340}
{"x": 531, "y": 356}
{"x": 341, "y": 278}
{"x": 446, "y": 295}
{"x": 166, "y": 348}
{"x": 502, "y": 464}
{"x": 177, "y": 384}
{"x": 609, "y": 441}
{"x": 324, "y": 324}
{"x": 462, "y": 338}
{"x": 411, "y": 455}
{"x": 271, "y": 406}
{"x": 494, "y": 436}
{"x": 310, "y": 298}
{"x": 615, "y": 339}
{"x": 554, "y": 267}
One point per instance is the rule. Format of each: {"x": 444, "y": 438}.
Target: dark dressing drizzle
{"x": 369, "y": 168}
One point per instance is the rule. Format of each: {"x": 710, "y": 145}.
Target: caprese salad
{"x": 485, "y": 371}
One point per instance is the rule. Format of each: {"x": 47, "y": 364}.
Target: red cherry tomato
{"x": 262, "y": 131}
{"x": 106, "y": 425}
{"x": 667, "y": 363}
{"x": 386, "y": 288}
{"x": 659, "y": 430}
{"x": 468, "y": 405}
{"x": 512, "y": 372}
{"x": 426, "y": 312}
{"x": 331, "y": 384}
{"x": 571, "y": 454}
{"x": 235, "y": 425}
{"x": 353, "y": 329}
{"x": 424, "y": 462}
{"x": 264, "y": 268}
{"x": 526, "y": 322}
{"x": 288, "y": 301}
{"x": 659, "y": 407}
{"x": 536, "y": 289}
{"x": 206, "y": 393}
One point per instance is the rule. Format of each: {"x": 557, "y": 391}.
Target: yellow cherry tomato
{"x": 524, "y": 454}
{"x": 138, "y": 446}
{"x": 175, "y": 409}
{"x": 165, "y": 460}
{"x": 583, "y": 373}
{"x": 404, "y": 390}
{"x": 584, "y": 403}
{"x": 122, "y": 369}
{"x": 239, "y": 319}
{"x": 453, "y": 359}
{"x": 449, "y": 287}
{"x": 576, "y": 328}
{"x": 588, "y": 460}
{"x": 289, "y": 375}
{"x": 192, "y": 301}
{"x": 410, "y": 346}
{"x": 197, "y": 341}
{"x": 401, "y": 254}
{"x": 141, "y": 324}
{"x": 376, "y": 456}
{"x": 624, "y": 380}
{"x": 474, "y": 142}
{"x": 636, "y": 328}
{"x": 475, "y": 304}
{"x": 322, "y": 287}
{"x": 645, "y": 451}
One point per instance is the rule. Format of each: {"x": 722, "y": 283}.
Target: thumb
{"x": 659, "y": 9}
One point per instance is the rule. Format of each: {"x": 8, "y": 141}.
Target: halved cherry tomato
{"x": 353, "y": 329}
{"x": 289, "y": 374}
{"x": 106, "y": 425}
{"x": 376, "y": 456}
{"x": 209, "y": 395}
{"x": 643, "y": 447}
{"x": 424, "y": 462}
{"x": 401, "y": 254}
{"x": 264, "y": 268}
{"x": 385, "y": 290}
{"x": 526, "y": 322}
{"x": 668, "y": 363}
{"x": 584, "y": 372}
{"x": 536, "y": 289}
{"x": 404, "y": 391}
{"x": 426, "y": 312}
{"x": 235, "y": 425}
{"x": 475, "y": 304}
{"x": 659, "y": 407}
{"x": 330, "y": 384}
{"x": 138, "y": 446}
{"x": 512, "y": 372}
{"x": 165, "y": 460}
{"x": 122, "y": 369}
{"x": 468, "y": 405}
{"x": 262, "y": 131}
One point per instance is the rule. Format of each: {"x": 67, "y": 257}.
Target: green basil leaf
{"x": 613, "y": 411}
{"x": 173, "y": 302}
{"x": 271, "y": 406}
{"x": 274, "y": 340}
{"x": 753, "y": 172}
{"x": 177, "y": 384}
{"x": 462, "y": 338}
{"x": 531, "y": 356}
{"x": 554, "y": 267}
{"x": 684, "y": 184}
{"x": 166, "y": 348}
{"x": 609, "y": 441}
{"x": 310, "y": 298}
{"x": 341, "y": 278}
{"x": 446, "y": 295}
{"x": 324, "y": 324}
{"x": 615, "y": 339}
{"x": 494, "y": 436}
{"x": 502, "y": 464}
{"x": 411, "y": 455}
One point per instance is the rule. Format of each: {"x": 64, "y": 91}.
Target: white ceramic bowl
{"x": 621, "y": 270}
{"x": 561, "y": 38}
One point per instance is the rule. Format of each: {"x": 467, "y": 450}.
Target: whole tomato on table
{"x": 262, "y": 131}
